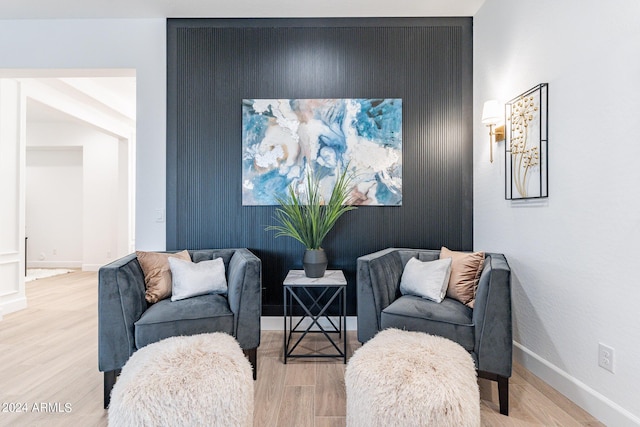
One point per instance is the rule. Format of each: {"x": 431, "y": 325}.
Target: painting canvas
{"x": 285, "y": 139}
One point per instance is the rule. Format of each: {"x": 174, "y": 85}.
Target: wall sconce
{"x": 492, "y": 114}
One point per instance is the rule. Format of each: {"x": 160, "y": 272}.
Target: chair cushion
{"x": 450, "y": 319}
{"x": 197, "y": 315}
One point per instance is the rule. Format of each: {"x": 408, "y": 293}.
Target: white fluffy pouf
{"x": 402, "y": 378}
{"x": 199, "y": 380}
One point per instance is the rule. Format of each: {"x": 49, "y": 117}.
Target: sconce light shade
{"x": 491, "y": 113}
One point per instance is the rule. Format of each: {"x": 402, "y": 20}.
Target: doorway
{"x": 75, "y": 157}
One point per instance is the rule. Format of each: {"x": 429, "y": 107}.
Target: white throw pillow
{"x": 426, "y": 279}
{"x": 191, "y": 279}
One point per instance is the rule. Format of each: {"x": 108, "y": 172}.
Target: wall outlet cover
{"x": 605, "y": 357}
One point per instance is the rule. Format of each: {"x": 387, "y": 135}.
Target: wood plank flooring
{"x": 49, "y": 359}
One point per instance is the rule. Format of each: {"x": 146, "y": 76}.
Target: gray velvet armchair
{"x": 127, "y": 322}
{"x": 484, "y": 331}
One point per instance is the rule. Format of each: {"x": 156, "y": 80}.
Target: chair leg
{"x": 503, "y": 389}
{"x": 252, "y": 355}
{"x": 503, "y": 394}
{"x": 110, "y": 378}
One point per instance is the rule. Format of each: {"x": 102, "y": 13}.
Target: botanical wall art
{"x": 526, "y": 145}
{"x": 284, "y": 139}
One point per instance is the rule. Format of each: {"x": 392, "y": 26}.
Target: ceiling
{"x": 113, "y": 97}
{"x": 64, "y": 9}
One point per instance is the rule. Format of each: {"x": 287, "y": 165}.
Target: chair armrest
{"x": 378, "y": 280}
{"x": 492, "y": 317}
{"x": 121, "y": 302}
{"x": 245, "y": 296}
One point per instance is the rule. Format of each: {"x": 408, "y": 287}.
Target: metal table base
{"x": 297, "y": 289}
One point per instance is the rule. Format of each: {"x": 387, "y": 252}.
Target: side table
{"x": 298, "y": 288}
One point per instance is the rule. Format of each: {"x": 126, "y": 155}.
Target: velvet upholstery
{"x": 485, "y": 331}
{"x": 189, "y": 316}
{"x": 450, "y": 318}
{"x": 127, "y": 322}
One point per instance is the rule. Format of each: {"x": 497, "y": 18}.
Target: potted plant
{"x": 308, "y": 218}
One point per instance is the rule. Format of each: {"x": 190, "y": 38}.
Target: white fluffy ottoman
{"x": 199, "y": 380}
{"x": 402, "y": 378}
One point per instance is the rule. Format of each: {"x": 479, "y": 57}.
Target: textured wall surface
{"x": 574, "y": 255}
{"x": 214, "y": 64}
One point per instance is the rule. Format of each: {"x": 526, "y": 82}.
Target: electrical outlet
{"x": 108, "y": 254}
{"x": 605, "y": 357}
{"x": 55, "y": 251}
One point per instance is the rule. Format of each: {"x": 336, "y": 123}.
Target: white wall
{"x": 573, "y": 256}
{"x": 109, "y": 43}
{"x": 101, "y": 207}
{"x": 89, "y": 224}
{"x": 54, "y": 207}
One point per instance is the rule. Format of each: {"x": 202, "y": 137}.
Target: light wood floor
{"x": 49, "y": 355}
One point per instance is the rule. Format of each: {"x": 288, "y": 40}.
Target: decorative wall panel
{"x": 214, "y": 64}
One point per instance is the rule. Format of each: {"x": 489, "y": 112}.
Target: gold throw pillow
{"x": 466, "y": 268}
{"x": 157, "y": 274}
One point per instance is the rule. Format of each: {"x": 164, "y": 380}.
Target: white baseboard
{"x": 601, "y": 407}
{"x": 13, "y": 305}
{"x": 64, "y": 264}
{"x": 54, "y": 264}
{"x": 276, "y": 323}
{"x": 91, "y": 267}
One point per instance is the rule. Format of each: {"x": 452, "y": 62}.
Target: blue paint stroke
{"x": 254, "y": 126}
{"x": 267, "y": 185}
{"x": 380, "y": 120}
{"x": 386, "y": 193}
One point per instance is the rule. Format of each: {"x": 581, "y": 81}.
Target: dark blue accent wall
{"x": 214, "y": 63}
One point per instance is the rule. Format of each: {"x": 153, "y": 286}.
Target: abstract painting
{"x": 283, "y": 140}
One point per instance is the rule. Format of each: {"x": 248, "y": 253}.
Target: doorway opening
{"x": 80, "y": 168}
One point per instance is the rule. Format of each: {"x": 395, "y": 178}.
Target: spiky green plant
{"x": 310, "y": 222}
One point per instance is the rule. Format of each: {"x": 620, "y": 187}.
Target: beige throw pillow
{"x": 157, "y": 274}
{"x": 465, "y": 274}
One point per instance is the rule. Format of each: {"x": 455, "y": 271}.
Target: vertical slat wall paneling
{"x": 214, "y": 63}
